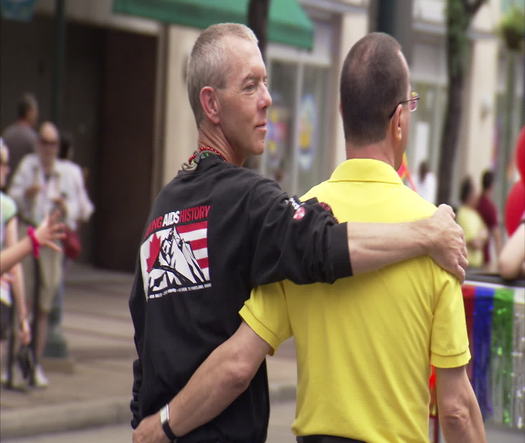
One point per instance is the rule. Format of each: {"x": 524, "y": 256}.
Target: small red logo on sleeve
{"x": 299, "y": 213}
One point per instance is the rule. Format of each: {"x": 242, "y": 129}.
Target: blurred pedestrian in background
{"x": 42, "y": 185}
{"x": 12, "y": 289}
{"x": 468, "y": 218}
{"x": 21, "y": 136}
{"x": 426, "y": 185}
{"x": 489, "y": 214}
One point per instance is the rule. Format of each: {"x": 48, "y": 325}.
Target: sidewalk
{"x": 94, "y": 389}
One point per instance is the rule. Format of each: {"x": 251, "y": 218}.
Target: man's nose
{"x": 266, "y": 98}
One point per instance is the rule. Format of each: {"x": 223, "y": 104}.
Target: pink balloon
{"x": 515, "y": 206}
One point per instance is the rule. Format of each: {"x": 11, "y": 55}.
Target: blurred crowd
{"x": 495, "y": 241}
{"x": 43, "y": 203}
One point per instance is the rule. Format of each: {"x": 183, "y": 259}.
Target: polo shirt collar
{"x": 365, "y": 170}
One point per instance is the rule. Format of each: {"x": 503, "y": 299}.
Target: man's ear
{"x": 396, "y": 124}
{"x": 210, "y": 104}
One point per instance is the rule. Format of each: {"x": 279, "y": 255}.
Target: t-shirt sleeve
{"x": 299, "y": 241}
{"x": 8, "y": 208}
{"x": 266, "y": 313}
{"x": 449, "y": 345}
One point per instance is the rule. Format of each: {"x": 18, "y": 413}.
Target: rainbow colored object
{"x": 496, "y": 325}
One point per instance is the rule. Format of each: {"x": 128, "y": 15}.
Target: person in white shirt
{"x": 42, "y": 185}
{"x": 426, "y": 185}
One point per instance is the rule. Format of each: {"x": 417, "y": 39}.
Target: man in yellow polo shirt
{"x": 364, "y": 344}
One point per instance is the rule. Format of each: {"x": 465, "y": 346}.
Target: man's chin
{"x": 258, "y": 150}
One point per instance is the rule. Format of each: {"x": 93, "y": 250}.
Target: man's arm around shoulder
{"x": 458, "y": 408}
{"x": 374, "y": 245}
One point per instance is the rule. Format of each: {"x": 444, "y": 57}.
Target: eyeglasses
{"x": 412, "y": 103}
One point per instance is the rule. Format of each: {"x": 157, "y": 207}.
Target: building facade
{"x": 124, "y": 95}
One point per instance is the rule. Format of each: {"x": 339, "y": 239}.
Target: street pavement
{"x": 91, "y": 388}
{"x": 281, "y": 417}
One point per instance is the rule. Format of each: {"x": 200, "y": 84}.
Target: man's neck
{"x": 376, "y": 151}
{"x": 48, "y": 168}
{"x": 214, "y": 138}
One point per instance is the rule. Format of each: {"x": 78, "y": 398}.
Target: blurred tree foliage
{"x": 512, "y": 28}
{"x": 459, "y": 15}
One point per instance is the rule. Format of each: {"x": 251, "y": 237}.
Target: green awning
{"x": 288, "y": 23}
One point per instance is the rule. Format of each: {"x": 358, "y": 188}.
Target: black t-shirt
{"x": 212, "y": 235}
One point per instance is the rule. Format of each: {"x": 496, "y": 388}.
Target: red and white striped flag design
{"x": 196, "y": 234}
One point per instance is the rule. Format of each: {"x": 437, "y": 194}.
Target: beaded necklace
{"x": 198, "y": 155}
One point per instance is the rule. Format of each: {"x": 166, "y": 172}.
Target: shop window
{"x": 295, "y": 155}
{"x": 278, "y": 156}
{"x": 311, "y": 152}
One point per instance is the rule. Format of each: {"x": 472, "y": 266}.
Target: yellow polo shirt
{"x": 365, "y": 343}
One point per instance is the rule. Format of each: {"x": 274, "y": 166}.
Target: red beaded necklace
{"x": 199, "y": 154}
{"x": 203, "y": 148}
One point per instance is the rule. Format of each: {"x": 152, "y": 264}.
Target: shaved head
{"x": 49, "y": 132}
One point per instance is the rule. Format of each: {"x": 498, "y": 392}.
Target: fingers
{"x": 456, "y": 270}
{"x": 460, "y": 274}
{"x": 463, "y": 262}
{"x": 447, "y": 209}
{"x": 57, "y": 231}
{"x": 53, "y": 246}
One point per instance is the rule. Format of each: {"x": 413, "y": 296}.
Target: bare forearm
{"x": 458, "y": 407}
{"x": 375, "y": 245}
{"x": 464, "y": 429}
{"x": 226, "y": 373}
{"x": 512, "y": 256}
{"x": 13, "y": 254}
{"x": 218, "y": 381}
{"x": 209, "y": 391}
{"x": 205, "y": 395}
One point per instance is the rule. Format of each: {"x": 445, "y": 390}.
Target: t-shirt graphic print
{"x": 174, "y": 254}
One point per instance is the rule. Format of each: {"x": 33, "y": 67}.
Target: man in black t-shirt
{"x": 241, "y": 230}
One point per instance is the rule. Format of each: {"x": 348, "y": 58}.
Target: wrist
{"x": 165, "y": 423}
{"x": 424, "y": 234}
{"x": 35, "y": 244}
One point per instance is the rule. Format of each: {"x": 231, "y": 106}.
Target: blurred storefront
{"x": 107, "y": 106}
{"x": 124, "y": 94}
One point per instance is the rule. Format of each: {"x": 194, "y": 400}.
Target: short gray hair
{"x": 207, "y": 65}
